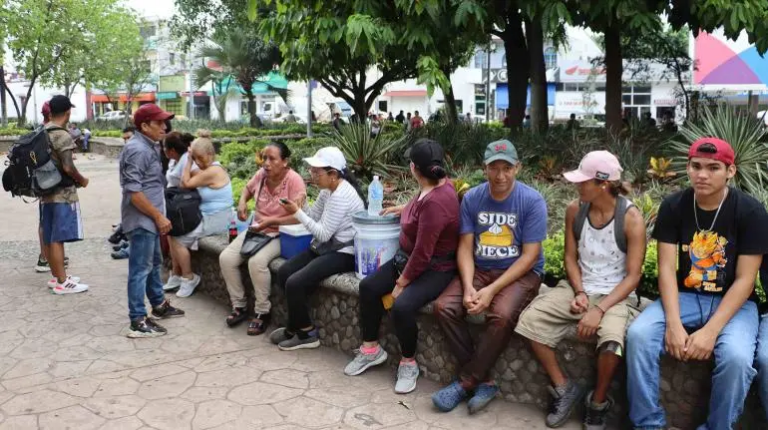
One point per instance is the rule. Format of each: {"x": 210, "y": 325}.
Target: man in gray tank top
{"x": 605, "y": 243}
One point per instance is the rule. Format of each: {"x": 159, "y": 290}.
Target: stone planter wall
{"x": 684, "y": 387}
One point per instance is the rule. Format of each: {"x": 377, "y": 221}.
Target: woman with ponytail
{"x": 420, "y": 271}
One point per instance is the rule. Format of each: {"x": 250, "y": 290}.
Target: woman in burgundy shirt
{"x": 421, "y": 270}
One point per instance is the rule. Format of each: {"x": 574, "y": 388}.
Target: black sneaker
{"x": 122, "y": 245}
{"x": 564, "y": 400}
{"x": 165, "y": 310}
{"x": 42, "y": 265}
{"x": 145, "y": 327}
{"x": 594, "y": 418}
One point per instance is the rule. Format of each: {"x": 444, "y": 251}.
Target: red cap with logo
{"x": 722, "y": 150}
{"x": 150, "y": 112}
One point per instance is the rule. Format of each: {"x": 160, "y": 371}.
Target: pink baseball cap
{"x": 600, "y": 165}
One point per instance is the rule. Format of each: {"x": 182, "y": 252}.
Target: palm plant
{"x": 367, "y": 155}
{"x": 743, "y": 132}
{"x": 242, "y": 59}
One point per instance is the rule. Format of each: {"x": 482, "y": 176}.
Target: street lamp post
{"x": 488, "y": 83}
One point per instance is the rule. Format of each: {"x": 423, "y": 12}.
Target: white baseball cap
{"x": 601, "y": 165}
{"x": 329, "y": 156}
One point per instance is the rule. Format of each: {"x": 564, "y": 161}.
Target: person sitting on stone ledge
{"x": 711, "y": 241}
{"x": 500, "y": 262}
{"x": 761, "y": 362}
{"x": 604, "y": 252}
{"x": 274, "y": 181}
{"x": 332, "y": 251}
{"x": 420, "y": 271}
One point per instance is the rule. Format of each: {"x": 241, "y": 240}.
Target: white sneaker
{"x": 69, "y": 287}
{"x": 52, "y": 282}
{"x": 407, "y": 375}
{"x": 188, "y": 286}
{"x": 174, "y": 281}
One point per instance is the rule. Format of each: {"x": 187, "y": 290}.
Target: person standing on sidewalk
{"x": 604, "y": 252}
{"x": 424, "y": 265}
{"x": 143, "y": 220}
{"x": 500, "y": 262}
{"x": 60, "y": 218}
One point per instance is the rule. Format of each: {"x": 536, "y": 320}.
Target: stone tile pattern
{"x": 66, "y": 364}
{"x": 335, "y": 311}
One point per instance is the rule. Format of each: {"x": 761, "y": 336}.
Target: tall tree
{"x": 243, "y": 58}
{"x": 339, "y": 43}
{"x": 48, "y": 38}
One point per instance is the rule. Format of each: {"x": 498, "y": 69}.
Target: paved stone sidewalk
{"x": 65, "y": 364}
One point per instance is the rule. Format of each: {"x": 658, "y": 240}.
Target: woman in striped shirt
{"x": 332, "y": 251}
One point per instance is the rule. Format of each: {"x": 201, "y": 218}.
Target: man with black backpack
{"x": 143, "y": 220}
{"x": 604, "y": 252}
{"x": 60, "y": 218}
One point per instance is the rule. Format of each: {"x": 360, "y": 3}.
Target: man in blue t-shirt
{"x": 500, "y": 261}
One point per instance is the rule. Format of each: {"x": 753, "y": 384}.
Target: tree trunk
{"x": 254, "y": 121}
{"x": 516, "y": 51}
{"x": 450, "y": 99}
{"x": 13, "y": 99}
{"x": 3, "y": 102}
{"x": 539, "y": 103}
{"x": 66, "y": 89}
{"x": 614, "y": 66}
{"x": 360, "y": 106}
{"x": 24, "y": 103}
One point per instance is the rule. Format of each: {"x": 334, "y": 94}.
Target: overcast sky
{"x": 152, "y": 8}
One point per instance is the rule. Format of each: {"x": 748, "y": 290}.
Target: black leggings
{"x": 421, "y": 291}
{"x": 300, "y": 276}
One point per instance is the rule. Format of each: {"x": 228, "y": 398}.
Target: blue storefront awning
{"x": 502, "y": 96}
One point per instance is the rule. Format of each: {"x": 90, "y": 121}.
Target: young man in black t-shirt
{"x": 711, "y": 239}
{"x": 762, "y": 341}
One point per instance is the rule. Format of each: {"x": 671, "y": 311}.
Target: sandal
{"x": 237, "y": 316}
{"x": 258, "y": 324}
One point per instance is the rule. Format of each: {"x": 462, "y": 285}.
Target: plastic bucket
{"x": 376, "y": 242}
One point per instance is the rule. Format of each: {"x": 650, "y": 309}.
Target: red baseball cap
{"x": 723, "y": 151}
{"x": 150, "y": 112}
{"x": 46, "y": 111}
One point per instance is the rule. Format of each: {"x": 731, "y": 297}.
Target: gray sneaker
{"x": 407, "y": 374}
{"x": 363, "y": 362}
{"x": 563, "y": 402}
{"x": 296, "y": 342}
{"x": 279, "y": 335}
{"x": 595, "y": 417}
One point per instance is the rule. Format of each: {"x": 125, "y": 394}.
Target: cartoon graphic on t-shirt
{"x": 498, "y": 242}
{"x": 707, "y": 254}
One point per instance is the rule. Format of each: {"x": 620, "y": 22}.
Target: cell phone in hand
{"x": 284, "y": 201}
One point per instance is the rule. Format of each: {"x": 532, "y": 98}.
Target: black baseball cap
{"x": 60, "y": 104}
{"x": 426, "y": 153}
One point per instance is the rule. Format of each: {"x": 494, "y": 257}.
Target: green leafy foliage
{"x": 366, "y": 155}
{"x": 746, "y": 135}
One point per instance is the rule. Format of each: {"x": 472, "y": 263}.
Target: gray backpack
{"x": 622, "y": 205}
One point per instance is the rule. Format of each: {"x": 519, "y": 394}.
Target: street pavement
{"x": 66, "y": 364}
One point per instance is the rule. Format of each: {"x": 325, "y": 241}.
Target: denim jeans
{"x": 762, "y": 361}
{"x": 144, "y": 264}
{"x": 734, "y": 354}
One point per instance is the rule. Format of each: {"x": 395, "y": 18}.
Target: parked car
{"x": 111, "y": 116}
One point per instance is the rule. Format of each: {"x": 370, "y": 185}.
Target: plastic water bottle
{"x": 375, "y": 197}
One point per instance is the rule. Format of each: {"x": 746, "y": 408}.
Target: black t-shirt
{"x": 707, "y": 259}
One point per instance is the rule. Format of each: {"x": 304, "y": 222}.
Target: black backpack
{"x": 182, "y": 206}
{"x": 31, "y": 170}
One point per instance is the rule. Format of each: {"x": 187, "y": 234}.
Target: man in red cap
{"x": 711, "y": 241}
{"x": 143, "y": 220}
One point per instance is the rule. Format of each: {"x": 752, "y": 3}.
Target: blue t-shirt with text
{"x": 502, "y": 227}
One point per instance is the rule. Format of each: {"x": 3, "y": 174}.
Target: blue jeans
{"x": 144, "y": 264}
{"x": 734, "y": 354}
{"x": 762, "y": 361}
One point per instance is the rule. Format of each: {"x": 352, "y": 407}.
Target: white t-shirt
{"x": 175, "y": 169}
{"x": 603, "y": 265}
